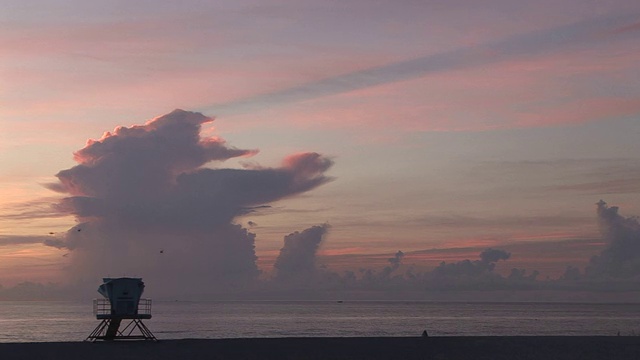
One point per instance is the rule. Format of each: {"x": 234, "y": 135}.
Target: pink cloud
{"x": 551, "y": 89}
{"x": 353, "y": 250}
{"x": 581, "y": 111}
{"x": 153, "y": 53}
{"x": 626, "y": 29}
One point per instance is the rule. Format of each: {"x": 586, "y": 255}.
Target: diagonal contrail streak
{"x": 557, "y": 38}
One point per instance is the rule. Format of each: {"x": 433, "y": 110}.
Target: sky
{"x": 288, "y": 147}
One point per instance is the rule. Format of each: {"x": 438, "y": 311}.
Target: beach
{"x": 446, "y": 347}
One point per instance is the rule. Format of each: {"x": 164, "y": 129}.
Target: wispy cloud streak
{"x": 11, "y": 240}
{"x": 557, "y": 38}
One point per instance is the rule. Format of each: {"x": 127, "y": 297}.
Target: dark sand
{"x": 497, "y": 347}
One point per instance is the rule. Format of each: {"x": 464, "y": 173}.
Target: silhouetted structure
{"x": 121, "y": 302}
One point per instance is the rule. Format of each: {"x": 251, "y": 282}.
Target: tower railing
{"x": 102, "y": 309}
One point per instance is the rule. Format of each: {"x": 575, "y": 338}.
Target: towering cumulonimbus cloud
{"x": 621, "y": 257}
{"x": 146, "y": 206}
{"x": 297, "y": 258}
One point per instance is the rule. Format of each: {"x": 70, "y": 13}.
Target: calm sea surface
{"x": 72, "y": 321}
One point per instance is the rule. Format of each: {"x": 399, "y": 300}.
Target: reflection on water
{"x": 73, "y": 321}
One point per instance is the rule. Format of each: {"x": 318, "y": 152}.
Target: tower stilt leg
{"x": 109, "y": 329}
{"x": 112, "y": 329}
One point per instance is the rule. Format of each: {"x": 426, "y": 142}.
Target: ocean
{"x": 73, "y": 321}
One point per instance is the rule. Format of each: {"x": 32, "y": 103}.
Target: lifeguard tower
{"x": 121, "y": 302}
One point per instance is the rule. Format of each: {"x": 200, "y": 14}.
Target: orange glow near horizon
{"x": 30, "y": 263}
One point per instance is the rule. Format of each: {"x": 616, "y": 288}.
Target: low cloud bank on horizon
{"x": 614, "y": 270}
